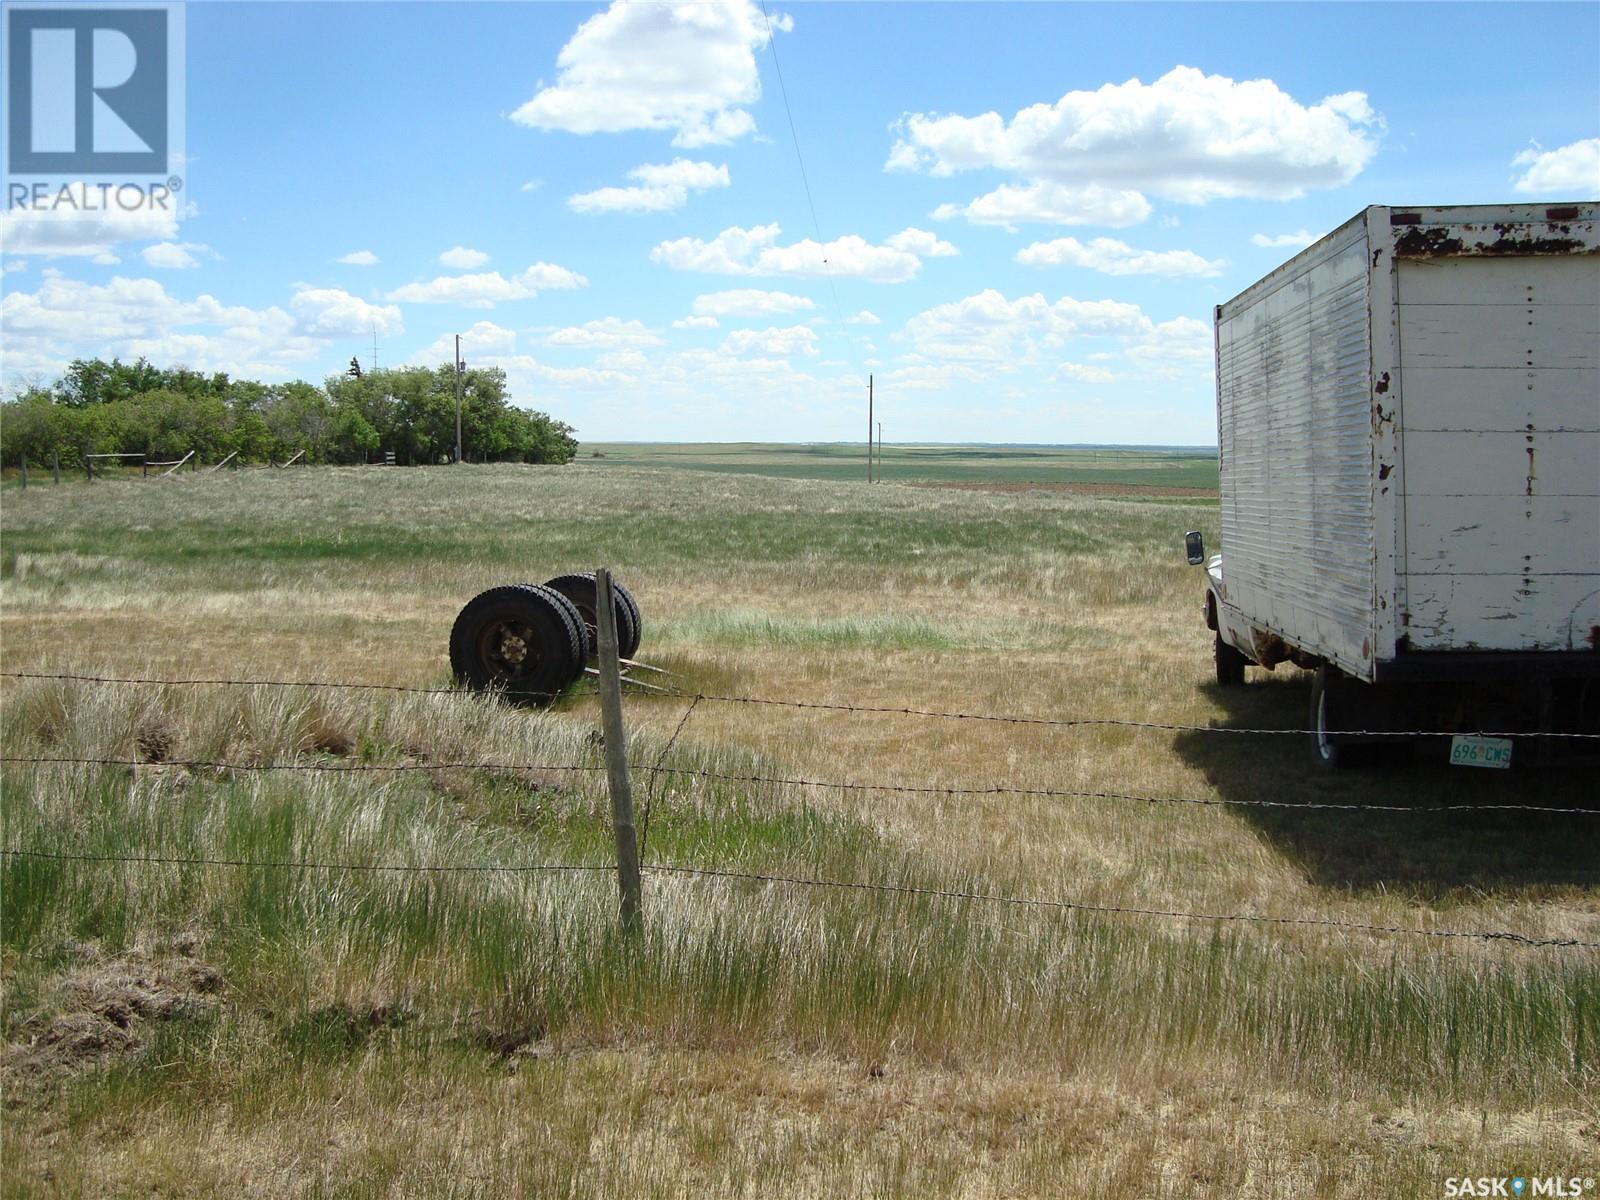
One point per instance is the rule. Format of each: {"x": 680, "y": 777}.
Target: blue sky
{"x": 1029, "y": 210}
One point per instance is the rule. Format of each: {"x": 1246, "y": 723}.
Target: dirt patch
{"x": 107, "y": 1007}
{"x": 1079, "y": 489}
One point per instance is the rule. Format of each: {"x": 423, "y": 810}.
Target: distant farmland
{"x": 964, "y": 877}
{"x": 1148, "y": 470}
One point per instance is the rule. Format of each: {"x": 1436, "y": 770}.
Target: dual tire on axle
{"x": 532, "y": 641}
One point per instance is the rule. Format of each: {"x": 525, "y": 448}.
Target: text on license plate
{"x": 1480, "y": 752}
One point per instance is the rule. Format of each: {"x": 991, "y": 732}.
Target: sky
{"x": 1017, "y": 218}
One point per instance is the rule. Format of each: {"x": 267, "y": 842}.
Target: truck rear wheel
{"x": 1230, "y": 663}
{"x": 1332, "y": 709}
{"x": 522, "y": 638}
{"x": 582, "y": 591}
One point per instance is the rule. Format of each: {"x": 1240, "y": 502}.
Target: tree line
{"x": 100, "y": 407}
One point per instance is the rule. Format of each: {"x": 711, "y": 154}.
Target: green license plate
{"x": 1480, "y": 752}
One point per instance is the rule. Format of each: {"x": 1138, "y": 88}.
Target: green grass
{"x": 483, "y": 957}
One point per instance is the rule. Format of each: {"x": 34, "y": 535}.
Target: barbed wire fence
{"x": 658, "y": 770}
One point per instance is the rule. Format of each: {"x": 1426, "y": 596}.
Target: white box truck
{"x": 1408, "y": 424}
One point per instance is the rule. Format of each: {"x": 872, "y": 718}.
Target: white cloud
{"x": 1010, "y": 205}
{"x": 1188, "y": 137}
{"x": 484, "y": 339}
{"x": 778, "y": 343}
{"x": 1111, "y": 257}
{"x": 1284, "y": 241}
{"x": 532, "y": 185}
{"x": 460, "y": 258}
{"x": 333, "y": 312}
{"x": 988, "y": 327}
{"x": 1180, "y": 340}
{"x": 173, "y": 256}
{"x": 749, "y": 302}
{"x": 489, "y": 288}
{"x": 696, "y": 323}
{"x": 359, "y": 258}
{"x": 930, "y": 377}
{"x": 921, "y": 243}
{"x": 128, "y": 318}
{"x": 1084, "y": 373}
{"x": 688, "y": 67}
{"x": 622, "y": 360}
{"x": 864, "y": 317}
{"x": 551, "y": 277}
{"x": 1567, "y": 173}
{"x": 81, "y": 225}
{"x": 528, "y": 375}
{"x": 738, "y": 251}
{"x": 663, "y": 187}
{"x": 608, "y": 333}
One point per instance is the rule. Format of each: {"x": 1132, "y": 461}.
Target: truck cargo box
{"x": 1409, "y": 433}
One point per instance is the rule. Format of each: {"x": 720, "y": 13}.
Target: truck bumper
{"x": 1510, "y": 665}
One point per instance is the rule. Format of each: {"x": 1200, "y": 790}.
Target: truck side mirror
{"x": 1194, "y": 546}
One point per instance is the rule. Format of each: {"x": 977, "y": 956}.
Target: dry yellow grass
{"x": 1054, "y": 1055}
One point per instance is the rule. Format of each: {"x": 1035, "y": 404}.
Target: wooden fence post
{"x": 617, "y": 753}
{"x": 23, "y": 474}
{"x": 55, "y": 464}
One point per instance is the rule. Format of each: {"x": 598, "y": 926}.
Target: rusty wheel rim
{"x": 509, "y": 649}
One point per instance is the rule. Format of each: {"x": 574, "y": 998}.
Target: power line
{"x": 772, "y": 45}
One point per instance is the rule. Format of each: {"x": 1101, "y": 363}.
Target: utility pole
{"x": 869, "y": 428}
{"x": 458, "y": 398}
{"x": 616, "y": 746}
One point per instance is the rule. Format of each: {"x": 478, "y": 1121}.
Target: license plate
{"x": 1480, "y": 752}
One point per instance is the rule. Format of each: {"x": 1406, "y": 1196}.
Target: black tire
{"x": 522, "y": 638}
{"x": 581, "y": 591}
{"x": 1230, "y": 663}
{"x": 631, "y": 646}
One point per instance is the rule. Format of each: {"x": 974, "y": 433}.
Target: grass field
{"x": 1149, "y": 472}
{"x": 183, "y": 1030}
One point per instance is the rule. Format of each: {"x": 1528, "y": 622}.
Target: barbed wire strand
{"x": 1496, "y": 935}
{"x": 1065, "y": 793}
{"x": 1121, "y": 722}
{"x": 310, "y": 684}
{"x": 1492, "y": 935}
{"x": 843, "y": 786}
{"x": 217, "y": 764}
{"x": 941, "y": 714}
{"x": 297, "y": 864}
{"x": 655, "y": 774}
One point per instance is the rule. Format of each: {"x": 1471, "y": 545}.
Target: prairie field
{"x": 293, "y": 1017}
{"x": 1148, "y": 472}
